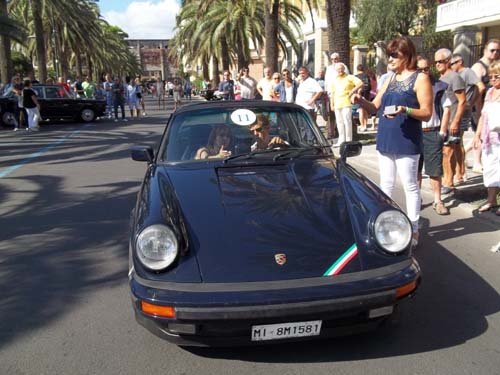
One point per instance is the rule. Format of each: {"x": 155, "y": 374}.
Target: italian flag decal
{"x": 342, "y": 261}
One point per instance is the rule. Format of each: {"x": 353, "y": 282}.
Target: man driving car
{"x": 263, "y": 139}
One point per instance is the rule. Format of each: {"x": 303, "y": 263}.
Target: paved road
{"x": 66, "y": 194}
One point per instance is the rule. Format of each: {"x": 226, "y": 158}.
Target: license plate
{"x": 286, "y": 330}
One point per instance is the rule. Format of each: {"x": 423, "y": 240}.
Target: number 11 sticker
{"x": 243, "y": 117}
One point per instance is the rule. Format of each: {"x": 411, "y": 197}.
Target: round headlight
{"x": 156, "y": 247}
{"x": 393, "y": 231}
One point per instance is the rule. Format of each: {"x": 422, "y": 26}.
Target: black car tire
{"x": 8, "y": 118}
{"x": 87, "y": 115}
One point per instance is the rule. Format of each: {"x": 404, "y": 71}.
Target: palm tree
{"x": 271, "y": 8}
{"x": 337, "y": 15}
{"x": 222, "y": 30}
{"x": 79, "y": 28}
{"x": 9, "y": 29}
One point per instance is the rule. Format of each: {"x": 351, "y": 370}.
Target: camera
{"x": 452, "y": 140}
{"x": 390, "y": 110}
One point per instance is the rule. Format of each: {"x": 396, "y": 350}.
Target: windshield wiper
{"x": 296, "y": 152}
{"x": 251, "y": 154}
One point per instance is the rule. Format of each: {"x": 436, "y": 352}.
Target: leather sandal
{"x": 440, "y": 208}
{"x": 485, "y": 207}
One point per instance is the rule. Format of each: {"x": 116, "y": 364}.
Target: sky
{"x": 142, "y": 19}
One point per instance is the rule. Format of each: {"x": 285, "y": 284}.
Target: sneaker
{"x": 116, "y": 120}
{"x": 144, "y": 113}
{"x": 446, "y": 190}
{"x": 124, "y": 120}
{"x": 16, "y": 129}
{"x": 440, "y": 208}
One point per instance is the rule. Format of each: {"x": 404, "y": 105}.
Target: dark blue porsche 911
{"x": 248, "y": 229}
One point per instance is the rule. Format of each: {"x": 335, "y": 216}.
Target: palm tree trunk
{"x": 41, "y": 54}
{"x": 78, "y": 64}
{"x": 205, "y": 70}
{"x": 337, "y": 16}
{"x": 271, "y": 33}
{"x": 224, "y": 54}
{"x": 6, "y": 68}
{"x": 215, "y": 71}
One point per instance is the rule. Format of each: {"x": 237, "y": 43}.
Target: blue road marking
{"x": 34, "y": 155}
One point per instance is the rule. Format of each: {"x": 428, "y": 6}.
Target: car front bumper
{"x": 223, "y": 314}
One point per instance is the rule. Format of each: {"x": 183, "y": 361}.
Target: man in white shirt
{"x": 247, "y": 85}
{"x": 308, "y": 92}
{"x": 265, "y": 87}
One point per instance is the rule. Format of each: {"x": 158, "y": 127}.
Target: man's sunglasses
{"x": 441, "y": 61}
{"x": 455, "y": 62}
{"x": 495, "y": 50}
{"x": 424, "y": 70}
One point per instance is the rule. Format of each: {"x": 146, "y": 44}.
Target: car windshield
{"x": 231, "y": 133}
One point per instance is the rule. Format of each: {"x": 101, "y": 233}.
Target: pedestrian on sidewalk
{"x": 406, "y": 99}
{"x": 266, "y": 84}
{"x": 365, "y": 92}
{"x": 455, "y": 97}
{"x": 108, "y": 88}
{"x": 342, "y": 88}
{"x": 330, "y": 75}
{"x": 468, "y": 121}
{"x": 488, "y": 138}
{"x": 20, "y": 114}
{"x": 248, "y": 85}
{"x": 287, "y": 88}
{"x": 119, "y": 98}
{"x": 308, "y": 92}
{"x": 434, "y": 133}
{"x": 132, "y": 99}
{"x": 138, "y": 93}
{"x": 31, "y": 105}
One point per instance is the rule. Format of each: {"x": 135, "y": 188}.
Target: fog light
{"x": 182, "y": 328}
{"x": 157, "y": 310}
{"x": 381, "y": 311}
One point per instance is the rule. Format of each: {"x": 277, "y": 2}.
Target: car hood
{"x": 264, "y": 222}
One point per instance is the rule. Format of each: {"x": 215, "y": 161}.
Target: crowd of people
{"x": 422, "y": 113}
{"x": 421, "y": 116}
{"x": 422, "y": 120}
{"x": 116, "y": 91}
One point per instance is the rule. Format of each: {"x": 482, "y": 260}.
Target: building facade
{"x": 473, "y": 23}
{"x": 152, "y": 55}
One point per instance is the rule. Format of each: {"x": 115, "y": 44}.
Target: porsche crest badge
{"x": 280, "y": 259}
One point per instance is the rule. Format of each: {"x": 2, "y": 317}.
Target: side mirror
{"x": 348, "y": 149}
{"x": 142, "y": 153}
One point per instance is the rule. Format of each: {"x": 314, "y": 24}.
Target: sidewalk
{"x": 469, "y": 195}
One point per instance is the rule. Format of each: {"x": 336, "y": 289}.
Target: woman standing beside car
{"x": 406, "y": 99}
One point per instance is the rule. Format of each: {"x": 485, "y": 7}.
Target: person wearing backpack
{"x": 365, "y": 93}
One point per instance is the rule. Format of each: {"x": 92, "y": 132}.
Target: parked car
{"x": 249, "y": 229}
{"x": 55, "y": 104}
